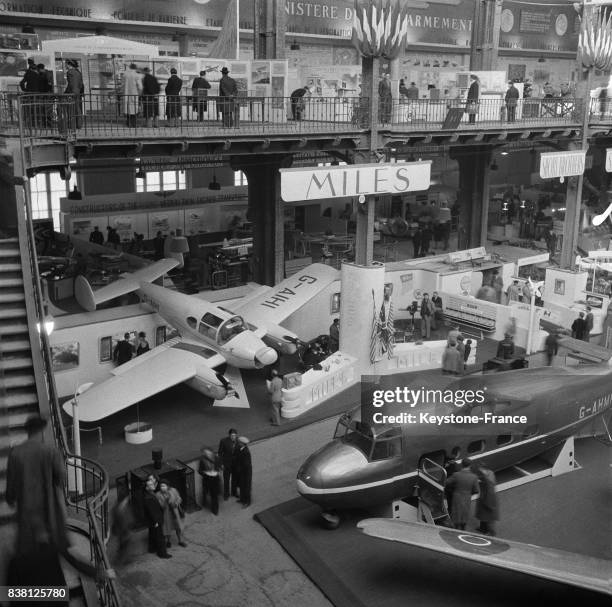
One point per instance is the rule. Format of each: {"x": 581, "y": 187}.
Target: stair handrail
{"x": 87, "y": 473}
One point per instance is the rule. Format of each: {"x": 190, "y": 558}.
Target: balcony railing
{"x": 108, "y": 115}
{"x": 451, "y": 114}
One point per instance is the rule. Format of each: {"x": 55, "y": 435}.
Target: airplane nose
{"x": 266, "y": 356}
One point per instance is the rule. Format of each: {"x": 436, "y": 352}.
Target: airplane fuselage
{"x": 504, "y": 430}
{"x": 206, "y": 323}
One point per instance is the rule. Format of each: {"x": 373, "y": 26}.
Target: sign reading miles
{"x": 310, "y": 183}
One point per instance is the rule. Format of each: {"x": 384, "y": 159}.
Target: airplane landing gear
{"x": 330, "y": 520}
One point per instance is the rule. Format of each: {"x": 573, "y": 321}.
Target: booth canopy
{"x": 103, "y": 45}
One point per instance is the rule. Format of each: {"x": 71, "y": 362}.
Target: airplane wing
{"x": 277, "y": 303}
{"x": 167, "y": 365}
{"x": 89, "y": 299}
{"x": 548, "y": 563}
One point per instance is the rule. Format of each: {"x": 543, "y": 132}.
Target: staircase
{"x": 17, "y": 382}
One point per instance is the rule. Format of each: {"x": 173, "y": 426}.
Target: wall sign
{"x": 315, "y": 183}
{"x": 562, "y": 164}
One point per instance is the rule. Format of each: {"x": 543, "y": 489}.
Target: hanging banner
{"x": 314, "y": 183}
{"x": 562, "y": 164}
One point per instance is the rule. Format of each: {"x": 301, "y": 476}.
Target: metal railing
{"x": 110, "y": 114}
{"x": 87, "y": 487}
{"x": 450, "y": 114}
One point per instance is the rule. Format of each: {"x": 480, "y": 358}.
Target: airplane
{"x": 210, "y": 336}
{"x": 366, "y": 465}
{"x": 570, "y": 568}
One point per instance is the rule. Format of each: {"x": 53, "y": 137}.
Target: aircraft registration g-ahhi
{"x": 210, "y": 336}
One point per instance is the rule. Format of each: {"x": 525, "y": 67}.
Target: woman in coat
{"x": 462, "y": 485}
{"x": 487, "y": 510}
{"x": 172, "y": 505}
{"x": 132, "y": 89}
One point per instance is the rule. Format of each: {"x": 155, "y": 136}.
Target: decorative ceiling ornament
{"x": 595, "y": 41}
{"x": 380, "y": 28}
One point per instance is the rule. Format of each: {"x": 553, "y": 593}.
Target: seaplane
{"x": 522, "y": 414}
{"x": 209, "y": 336}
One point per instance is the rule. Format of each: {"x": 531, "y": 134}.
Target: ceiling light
{"x": 504, "y": 153}
{"x": 295, "y": 45}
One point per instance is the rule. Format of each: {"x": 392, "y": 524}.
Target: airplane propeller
{"x": 227, "y": 385}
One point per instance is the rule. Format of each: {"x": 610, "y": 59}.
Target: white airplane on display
{"x": 209, "y": 336}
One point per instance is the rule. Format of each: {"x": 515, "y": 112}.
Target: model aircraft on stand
{"x": 210, "y": 336}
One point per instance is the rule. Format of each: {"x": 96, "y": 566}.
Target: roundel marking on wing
{"x": 476, "y": 544}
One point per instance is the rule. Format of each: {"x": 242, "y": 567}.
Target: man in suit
{"x": 173, "y": 98}
{"x": 123, "y": 350}
{"x": 199, "y": 91}
{"x": 227, "y": 452}
{"x": 75, "y": 87}
{"x": 150, "y": 97}
{"x": 579, "y": 327}
{"x": 512, "y": 97}
{"x": 427, "y": 312}
{"x": 472, "y": 98}
{"x": 462, "y": 485}
{"x": 297, "y": 101}
{"x": 228, "y": 89}
{"x": 245, "y": 471}
{"x": 385, "y": 100}
{"x": 154, "y": 515}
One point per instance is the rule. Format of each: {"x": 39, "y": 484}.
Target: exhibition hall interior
{"x": 305, "y": 303}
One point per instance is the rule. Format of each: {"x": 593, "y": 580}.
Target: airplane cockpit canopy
{"x": 375, "y": 446}
{"x": 230, "y": 328}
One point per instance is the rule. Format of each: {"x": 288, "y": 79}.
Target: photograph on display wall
{"x": 238, "y": 68}
{"x": 243, "y": 86}
{"x": 161, "y": 69}
{"x": 260, "y": 72}
{"x": 160, "y": 223}
{"x": 278, "y": 91}
{"x": 65, "y": 356}
{"x": 190, "y": 68}
{"x": 82, "y": 227}
{"x": 123, "y": 225}
{"x": 13, "y": 64}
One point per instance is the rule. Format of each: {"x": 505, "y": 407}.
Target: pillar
{"x": 266, "y": 213}
{"x": 360, "y": 300}
{"x": 473, "y": 195}
{"x": 269, "y": 28}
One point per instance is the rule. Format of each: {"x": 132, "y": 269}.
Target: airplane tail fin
{"x": 89, "y": 299}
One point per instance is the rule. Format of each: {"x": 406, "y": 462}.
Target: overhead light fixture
{"x": 140, "y": 174}
{"x": 75, "y": 194}
{"x": 541, "y": 59}
{"x": 335, "y": 162}
{"x": 295, "y": 45}
{"x": 214, "y": 184}
{"x": 504, "y": 153}
{"x": 505, "y": 206}
{"x": 522, "y": 204}
{"x": 28, "y": 29}
{"x": 179, "y": 243}
{"x": 494, "y": 166}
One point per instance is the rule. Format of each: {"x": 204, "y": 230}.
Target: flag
{"x": 226, "y": 44}
{"x": 374, "y": 334}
